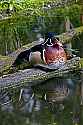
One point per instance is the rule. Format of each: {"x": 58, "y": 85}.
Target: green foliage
{"x": 22, "y": 4}
{"x": 74, "y": 14}
{"x": 17, "y": 28}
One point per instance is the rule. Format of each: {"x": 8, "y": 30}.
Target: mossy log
{"x": 30, "y": 77}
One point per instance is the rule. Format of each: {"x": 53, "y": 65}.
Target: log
{"x": 33, "y": 76}
{"x": 30, "y": 77}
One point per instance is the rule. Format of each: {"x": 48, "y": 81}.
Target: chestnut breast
{"x": 54, "y": 54}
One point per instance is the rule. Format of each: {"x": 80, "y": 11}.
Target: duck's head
{"x": 52, "y": 40}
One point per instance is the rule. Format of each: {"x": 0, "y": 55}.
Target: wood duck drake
{"x": 54, "y": 52}
{"x": 51, "y": 52}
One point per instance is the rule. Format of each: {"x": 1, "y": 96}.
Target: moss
{"x": 19, "y": 29}
{"x": 5, "y": 63}
{"x": 81, "y": 62}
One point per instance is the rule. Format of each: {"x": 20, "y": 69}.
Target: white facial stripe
{"x": 44, "y": 56}
{"x": 45, "y": 42}
{"x": 50, "y": 43}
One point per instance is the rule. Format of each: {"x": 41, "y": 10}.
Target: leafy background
{"x": 22, "y": 20}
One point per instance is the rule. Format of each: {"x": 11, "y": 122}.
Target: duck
{"x": 49, "y": 52}
{"x": 34, "y": 54}
{"x": 54, "y": 53}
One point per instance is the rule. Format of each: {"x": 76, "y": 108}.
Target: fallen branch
{"x": 30, "y": 77}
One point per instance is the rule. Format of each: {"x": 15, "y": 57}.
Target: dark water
{"x": 39, "y": 106}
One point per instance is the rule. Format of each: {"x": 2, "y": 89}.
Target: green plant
{"x": 18, "y": 29}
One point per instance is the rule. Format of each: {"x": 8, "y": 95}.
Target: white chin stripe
{"x": 44, "y": 56}
{"x": 47, "y": 42}
{"x": 49, "y": 45}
